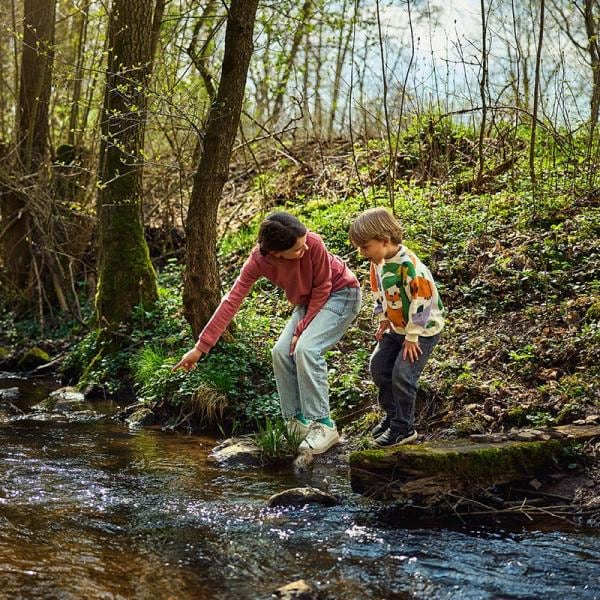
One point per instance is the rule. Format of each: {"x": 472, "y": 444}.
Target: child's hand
{"x": 189, "y": 360}
{"x": 383, "y": 327}
{"x": 411, "y": 350}
{"x": 293, "y": 345}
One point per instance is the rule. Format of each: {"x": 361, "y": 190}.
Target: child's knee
{"x": 279, "y": 351}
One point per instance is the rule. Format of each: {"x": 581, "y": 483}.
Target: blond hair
{"x": 375, "y": 224}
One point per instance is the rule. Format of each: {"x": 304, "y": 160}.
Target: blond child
{"x": 410, "y": 315}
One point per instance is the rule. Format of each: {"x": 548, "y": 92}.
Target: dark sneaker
{"x": 381, "y": 426}
{"x": 391, "y": 439}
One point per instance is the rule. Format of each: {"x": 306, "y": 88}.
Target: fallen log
{"x": 424, "y": 472}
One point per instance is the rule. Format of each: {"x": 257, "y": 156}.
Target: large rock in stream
{"x": 429, "y": 470}
{"x": 301, "y": 496}
{"x": 66, "y": 399}
{"x": 238, "y": 451}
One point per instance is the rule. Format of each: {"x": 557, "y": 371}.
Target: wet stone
{"x": 303, "y": 461}
{"x": 297, "y": 590}
{"x": 67, "y": 399}
{"x": 142, "y": 417}
{"x": 9, "y": 394}
{"x": 301, "y": 496}
{"x": 238, "y": 451}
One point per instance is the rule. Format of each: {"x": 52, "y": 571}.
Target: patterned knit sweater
{"x": 406, "y": 295}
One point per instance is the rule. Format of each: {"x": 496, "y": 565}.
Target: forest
{"x": 143, "y": 143}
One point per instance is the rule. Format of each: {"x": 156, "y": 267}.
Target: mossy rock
{"x": 431, "y": 469}
{"x": 142, "y": 417}
{"x": 32, "y": 358}
{"x": 4, "y": 353}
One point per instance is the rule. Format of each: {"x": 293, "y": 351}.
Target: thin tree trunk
{"x": 303, "y": 26}
{"x": 318, "y": 105}
{"x": 592, "y": 30}
{"x": 201, "y": 292}
{"x": 126, "y": 275}
{"x": 483, "y": 94}
{"x": 36, "y": 74}
{"x": 342, "y": 50}
{"x": 536, "y": 93}
{"x": 32, "y": 136}
{"x": 77, "y": 86}
{"x": 208, "y": 21}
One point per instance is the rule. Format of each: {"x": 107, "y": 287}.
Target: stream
{"x": 90, "y": 509}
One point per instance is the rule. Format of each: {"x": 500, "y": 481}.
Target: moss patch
{"x": 468, "y": 461}
{"x": 34, "y": 357}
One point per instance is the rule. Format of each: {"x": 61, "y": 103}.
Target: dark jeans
{"x": 397, "y": 379}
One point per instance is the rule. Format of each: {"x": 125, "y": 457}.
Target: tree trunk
{"x": 78, "y": 79}
{"x": 536, "y": 95}
{"x": 32, "y": 135}
{"x": 592, "y": 31}
{"x": 202, "y": 292}
{"x": 126, "y": 275}
{"x": 303, "y": 27}
{"x": 342, "y": 50}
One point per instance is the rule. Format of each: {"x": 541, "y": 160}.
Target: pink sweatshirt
{"x": 309, "y": 281}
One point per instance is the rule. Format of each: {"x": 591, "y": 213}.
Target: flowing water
{"x": 89, "y": 509}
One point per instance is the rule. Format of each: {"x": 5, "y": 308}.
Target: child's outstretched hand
{"x": 189, "y": 360}
{"x": 383, "y": 327}
{"x": 411, "y": 350}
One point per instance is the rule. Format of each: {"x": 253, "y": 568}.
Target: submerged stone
{"x": 297, "y": 590}
{"x": 302, "y": 495}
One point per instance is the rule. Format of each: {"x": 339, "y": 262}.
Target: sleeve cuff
{"x": 412, "y": 337}
{"x": 202, "y": 346}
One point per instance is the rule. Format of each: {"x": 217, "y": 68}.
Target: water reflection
{"x": 90, "y": 509}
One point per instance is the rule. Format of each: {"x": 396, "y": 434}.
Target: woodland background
{"x": 142, "y": 141}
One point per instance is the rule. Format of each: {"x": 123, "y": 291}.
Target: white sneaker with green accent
{"x": 319, "y": 438}
{"x": 297, "y": 428}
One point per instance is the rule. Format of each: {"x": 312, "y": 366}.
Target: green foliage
{"x": 275, "y": 442}
{"x": 526, "y": 353}
{"x": 541, "y": 418}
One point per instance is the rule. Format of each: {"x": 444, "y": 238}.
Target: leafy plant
{"x": 275, "y": 442}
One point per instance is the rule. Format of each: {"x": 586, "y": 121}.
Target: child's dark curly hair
{"x": 279, "y": 232}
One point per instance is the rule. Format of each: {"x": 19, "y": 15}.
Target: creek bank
{"x": 523, "y": 476}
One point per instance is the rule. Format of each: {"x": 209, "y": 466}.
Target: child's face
{"x": 295, "y": 252}
{"x": 378, "y": 250}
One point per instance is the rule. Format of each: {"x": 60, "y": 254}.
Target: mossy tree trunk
{"x": 126, "y": 276}
{"x": 201, "y": 281}
{"x": 32, "y": 139}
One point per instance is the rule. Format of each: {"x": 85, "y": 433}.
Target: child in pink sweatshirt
{"x": 327, "y": 298}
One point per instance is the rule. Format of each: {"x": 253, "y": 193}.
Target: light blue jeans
{"x": 302, "y": 378}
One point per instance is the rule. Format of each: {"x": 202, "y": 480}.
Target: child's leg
{"x": 325, "y": 330}
{"x": 404, "y": 385}
{"x": 284, "y": 367}
{"x": 381, "y": 366}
